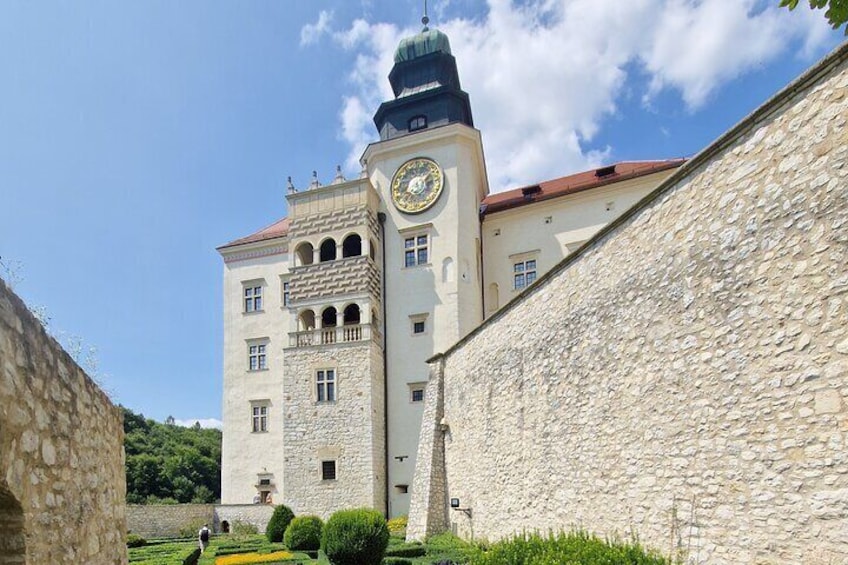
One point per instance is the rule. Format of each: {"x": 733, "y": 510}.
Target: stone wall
{"x": 167, "y": 520}
{"x": 62, "y": 482}
{"x": 685, "y": 376}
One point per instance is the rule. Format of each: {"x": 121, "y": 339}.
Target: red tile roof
{"x": 574, "y": 183}
{"x": 280, "y": 228}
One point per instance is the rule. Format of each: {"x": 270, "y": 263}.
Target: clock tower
{"x": 429, "y": 171}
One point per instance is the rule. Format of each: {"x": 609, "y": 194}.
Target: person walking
{"x": 203, "y": 537}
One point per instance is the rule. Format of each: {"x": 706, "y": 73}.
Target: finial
{"x": 290, "y": 186}
{"x": 315, "y": 182}
{"x": 425, "y": 20}
{"x": 339, "y": 176}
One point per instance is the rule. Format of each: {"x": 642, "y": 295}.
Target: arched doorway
{"x": 12, "y": 538}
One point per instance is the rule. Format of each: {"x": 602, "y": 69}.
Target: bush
{"x": 192, "y": 557}
{"x": 396, "y": 561}
{"x": 239, "y": 528}
{"x": 572, "y": 547}
{"x": 407, "y": 550}
{"x": 134, "y": 540}
{"x": 397, "y": 526}
{"x": 191, "y": 528}
{"x": 355, "y": 537}
{"x": 278, "y": 523}
{"x": 304, "y": 533}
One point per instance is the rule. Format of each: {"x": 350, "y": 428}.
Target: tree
{"x": 836, "y": 10}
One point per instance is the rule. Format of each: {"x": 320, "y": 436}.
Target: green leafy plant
{"x": 355, "y": 537}
{"x": 134, "y": 540}
{"x": 304, "y": 533}
{"x": 397, "y": 526}
{"x": 239, "y": 528}
{"x": 836, "y": 11}
{"x": 278, "y": 523}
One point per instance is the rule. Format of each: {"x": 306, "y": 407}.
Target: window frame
{"x": 285, "y": 290}
{"x": 259, "y": 413}
{"x": 335, "y": 470}
{"x": 414, "y": 320}
{"x": 417, "y": 123}
{"x": 417, "y": 387}
{"x": 257, "y": 350}
{"x": 253, "y": 297}
{"x": 326, "y": 385}
{"x": 524, "y": 272}
{"x": 416, "y": 248}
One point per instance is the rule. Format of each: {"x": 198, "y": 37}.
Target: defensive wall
{"x": 684, "y": 375}
{"x": 62, "y": 482}
{"x": 168, "y": 520}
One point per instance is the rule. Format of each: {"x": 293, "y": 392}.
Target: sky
{"x": 136, "y": 137}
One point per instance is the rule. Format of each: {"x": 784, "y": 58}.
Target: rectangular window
{"x": 524, "y": 273}
{"x": 416, "y": 250}
{"x": 325, "y": 380}
{"x": 260, "y": 418}
{"x": 285, "y": 293}
{"x": 328, "y": 470}
{"x": 253, "y": 299}
{"x": 256, "y": 357}
{"x": 418, "y": 395}
{"x": 418, "y": 327}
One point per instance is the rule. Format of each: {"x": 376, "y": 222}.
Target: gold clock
{"x": 417, "y": 185}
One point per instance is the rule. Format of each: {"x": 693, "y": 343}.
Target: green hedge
{"x": 406, "y": 550}
{"x": 355, "y": 537}
{"x": 304, "y": 533}
{"x": 278, "y": 523}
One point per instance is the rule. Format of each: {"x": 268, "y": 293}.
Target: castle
{"x": 331, "y": 313}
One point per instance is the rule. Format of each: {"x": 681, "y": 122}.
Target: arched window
{"x": 417, "y": 122}
{"x": 351, "y": 315}
{"x": 12, "y": 521}
{"x": 304, "y": 254}
{"x": 306, "y": 321}
{"x": 352, "y": 246}
{"x": 329, "y": 318}
{"x": 328, "y": 250}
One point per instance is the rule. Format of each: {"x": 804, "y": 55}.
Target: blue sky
{"x": 137, "y": 137}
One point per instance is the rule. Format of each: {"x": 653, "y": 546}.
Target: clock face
{"x": 417, "y": 185}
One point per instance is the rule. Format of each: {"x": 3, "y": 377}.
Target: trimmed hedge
{"x": 355, "y": 537}
{"x": 304, "y": 533}
{"x": 407, "y": 550}
{"x": 134, "y": 540}
{"x": 396, "y": 561}
{"x": 278, "y": 523}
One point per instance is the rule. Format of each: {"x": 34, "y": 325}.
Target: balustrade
{"x": 334, "y": 335}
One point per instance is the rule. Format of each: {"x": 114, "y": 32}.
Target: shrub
{"x": 396, "y": 561}
{"x": 397, "y": 526}
{"x": 192, "y": 557}
{"x": 572, "y": 547}
{"x": 304, "y": 533}
{"x": 134, "y": 540}
{"x": 278, "y": 523}
{"x": 355, "y": 537}
{"x": 406, "y": 550}
{"x": 191, "y": 528}
{"x": 239, "y": 528}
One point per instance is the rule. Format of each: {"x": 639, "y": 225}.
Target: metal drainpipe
{"x": 382, "y": 218}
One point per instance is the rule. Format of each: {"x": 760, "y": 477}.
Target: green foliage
{"x": 836, "y": 11}
{"x": 572, "y": 547}
{"x": 406, "y": 550}
{"x": 396, "y": 561}
{"x": 304, "y": 533}
{"x": 170, "y": 464}
{"x": 278, "y": 523}
{"x": 355, "y": 537}
{"x": 134, "y": 540}
{"x": 191, "y": 528}
{"x": 447, "y": 548}
{"x": 161, "y": 552}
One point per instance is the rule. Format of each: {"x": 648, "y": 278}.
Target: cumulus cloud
{"x": 204, "y": 423}
{"x": 311, "y": 33}
{"x": 544, "y": 74}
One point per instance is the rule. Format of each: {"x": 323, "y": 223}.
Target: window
{"x": 260, "y": 418}
{"x": 524, "y": 273}
{"x": 328, "y": 470}
{"x": 286, "y": 293}
{"x": 415, "y": 250}
{"x": 325, "y": 380}
{"x": 253, "y": 299}
{"x": 417, "y": 122}
{"x": 256, "y": 357}
{"x": 418, "y": 324}
{"x": 418, "y": 327}
{"x": 418, "y": 395}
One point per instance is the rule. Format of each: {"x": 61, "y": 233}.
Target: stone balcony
{"x": 348, "y": 276}
{"x": 335, "y": 335}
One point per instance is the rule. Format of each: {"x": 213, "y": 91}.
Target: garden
{"x": 363, "y": 537}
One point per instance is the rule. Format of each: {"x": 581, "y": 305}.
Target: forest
{"x": 170, "y": 464}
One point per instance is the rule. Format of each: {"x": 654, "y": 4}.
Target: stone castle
{"x": 655, "y": 347}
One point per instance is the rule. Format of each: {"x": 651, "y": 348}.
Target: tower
{"x": 429, "y": 171}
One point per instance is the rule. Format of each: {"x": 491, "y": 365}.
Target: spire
{"x": 425, "y": 20}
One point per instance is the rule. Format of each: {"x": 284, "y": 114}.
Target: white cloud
{"x": 311, "y": 33}
{"x": 543, "y": 74}
{"x": 204, "y": 423}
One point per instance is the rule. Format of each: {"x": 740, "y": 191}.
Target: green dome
{"x": 426, "y": 42}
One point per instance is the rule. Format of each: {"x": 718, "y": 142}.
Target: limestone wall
{"x": 685, "y": 377}
{"x": 167, "y": 520}
{"x": 62, "y": 482}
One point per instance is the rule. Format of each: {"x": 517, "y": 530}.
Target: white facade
{"x": 421, "y": 279}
